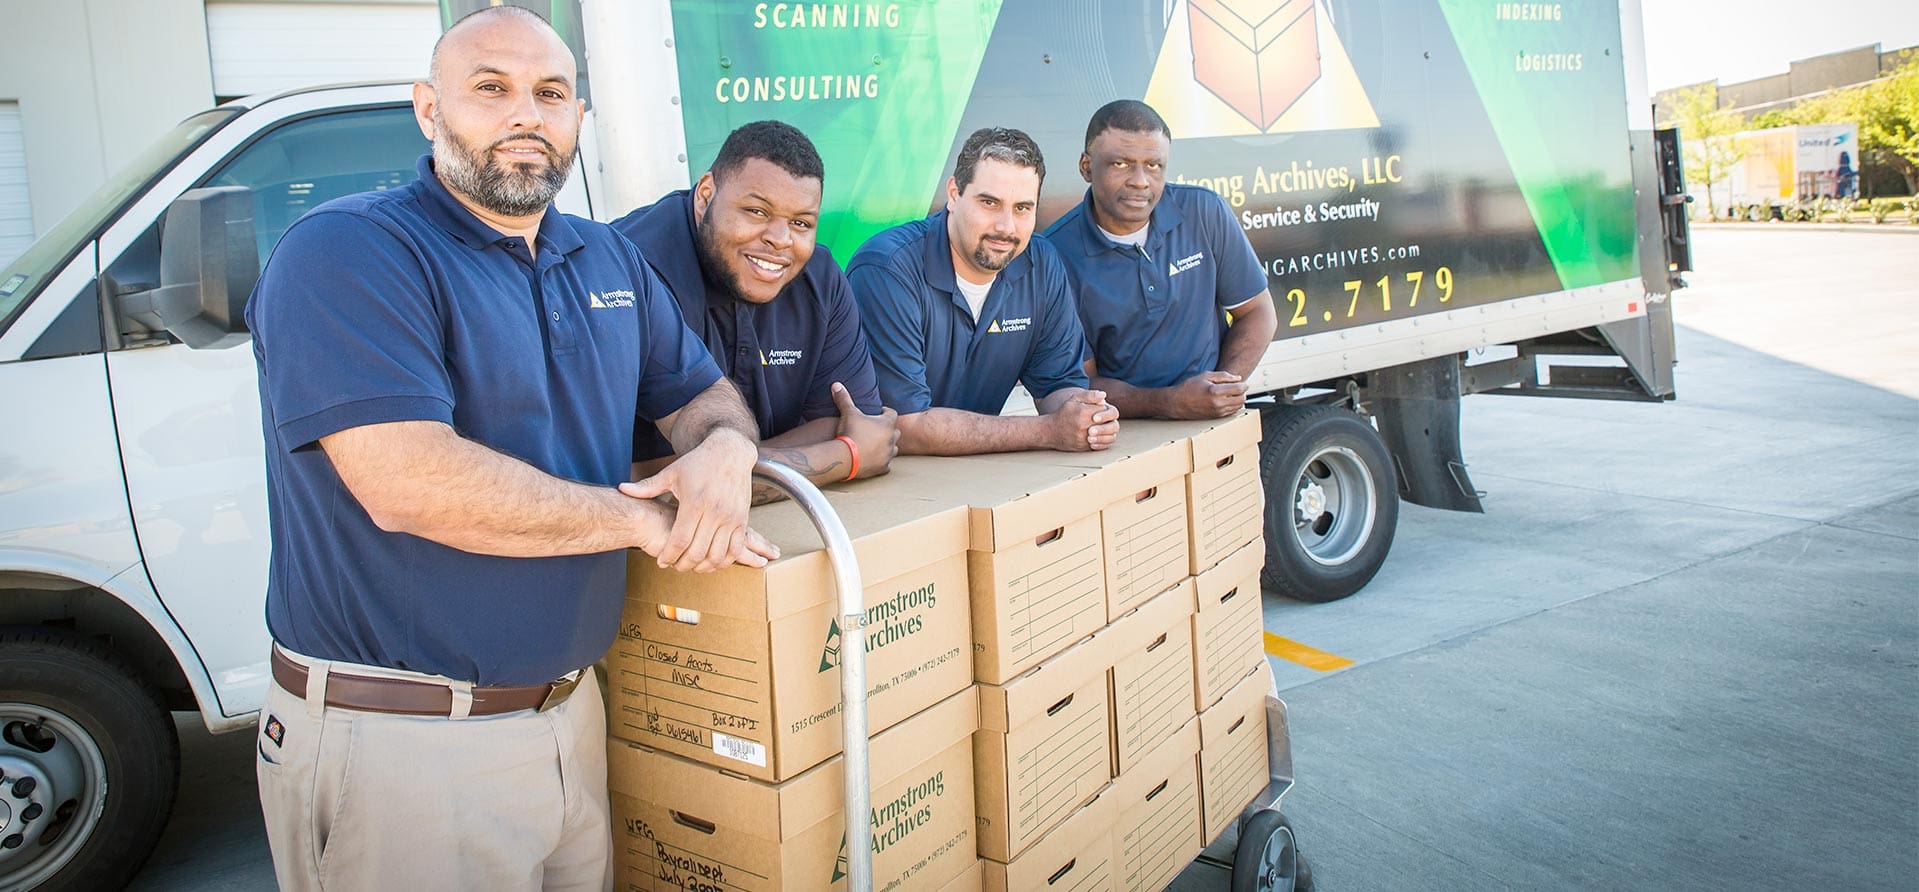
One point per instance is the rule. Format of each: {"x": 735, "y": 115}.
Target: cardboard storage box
{"x": 1143, "y": 513}
{"x": 1038, "y": 582}
{"x": 1158, "y": 804}
{"x": 1152, "y": 653}
{"x": 740, "y": 668}
{"x": 1232, "y": 750}
{"x": 682, "y": 825}
{"x": 1044, "y": 747}
{"x": 1229, "y": 623}
{"x": 973, "y": 880}
{"x": 1259, "y": 56}
{"x": 1077, "y": 856}
{"x": 1224, "y": 497}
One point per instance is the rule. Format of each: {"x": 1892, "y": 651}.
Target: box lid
{"x": 1011, "y": 501}
{"x": 891, "y": 533}
{"x": 1236, "y": 570}
{"x": 1137, "y": 628}
{"x": 777, "y": 812}
{"x": 1225, "y": 437}
{"x": 1181, "y": 745}
{"x": 1005, "y": 707}
{"x": 1221, "y": 719}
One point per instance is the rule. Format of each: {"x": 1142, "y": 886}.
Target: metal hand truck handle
{"x": 852, "y": 610}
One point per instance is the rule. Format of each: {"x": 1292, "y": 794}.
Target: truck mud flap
{"x": 1417, "y": 409}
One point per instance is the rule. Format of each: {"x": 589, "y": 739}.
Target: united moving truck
{"x": 1449, "y": 197}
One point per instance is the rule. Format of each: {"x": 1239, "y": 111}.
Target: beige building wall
{"x": 97, "y": 80}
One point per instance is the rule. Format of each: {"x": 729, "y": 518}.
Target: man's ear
{"x": 703, "y": 196}
{"x": 952, "y": 193}
{"x": 425, "y": 100}
{"x": 1086, "y": 167}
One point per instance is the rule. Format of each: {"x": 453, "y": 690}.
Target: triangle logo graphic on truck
{"x": 839, "y": 864}
{"x": 1219, "y": 74}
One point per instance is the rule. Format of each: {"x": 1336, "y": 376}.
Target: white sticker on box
{"x": 742, "y": 750}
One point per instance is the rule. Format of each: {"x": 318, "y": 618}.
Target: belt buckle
{"x": 557, "y": 692}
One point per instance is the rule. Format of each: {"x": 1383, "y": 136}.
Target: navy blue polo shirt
{"x": 401, "y": 306}
{"x": 784, "y": 355}
{"x": 1154, "y": 317}
{"x": 929, "y": 351}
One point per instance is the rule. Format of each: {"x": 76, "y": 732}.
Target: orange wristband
{"x": 854, "y": 449}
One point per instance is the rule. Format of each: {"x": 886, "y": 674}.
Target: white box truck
{"x": 1448, "y": 216}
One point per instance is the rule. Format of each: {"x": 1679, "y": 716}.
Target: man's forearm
{"x": 958, "y": 432}
{"x": 1248, "y": 337}
{"x": 424, "y": 479}
{"x": 1136, "y": 402}
{"x": 716, "y": 408}
{"x": 809, "y": 449}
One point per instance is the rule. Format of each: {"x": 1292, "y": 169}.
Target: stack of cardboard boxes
{"x": 1065, "y": 678}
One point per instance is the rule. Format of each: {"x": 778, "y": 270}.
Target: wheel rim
{"x": 1334, "y": 503}
{"x": 1277, "y": 870}
{"x": 52, "y": 791}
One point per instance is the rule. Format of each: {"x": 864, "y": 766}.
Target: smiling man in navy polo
{"x": 739, "y": 252}
{"x": 1157, "y": 269}
{"x": 448, "y": 378}
{"x": 963, "y": 304}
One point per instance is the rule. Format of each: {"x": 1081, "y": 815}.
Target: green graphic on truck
{"x": 1385, "y": 163}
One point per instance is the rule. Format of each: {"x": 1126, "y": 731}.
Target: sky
{"x": 1688, "y": 41}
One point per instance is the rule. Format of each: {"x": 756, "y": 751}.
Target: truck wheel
{"x": 1331, "y": 501}
{"x": 89, "y": 763}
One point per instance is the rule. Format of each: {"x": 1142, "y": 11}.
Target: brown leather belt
{"x": 399, "y": 696}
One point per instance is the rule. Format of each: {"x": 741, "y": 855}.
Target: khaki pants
{"x": 367, "y": 801}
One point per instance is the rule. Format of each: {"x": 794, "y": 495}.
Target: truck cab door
{"x": 189, "y": 419}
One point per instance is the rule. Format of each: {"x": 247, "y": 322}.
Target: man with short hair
{"x": 448, "y": 378}
{"x": 1158, "y": 268}
{"x": 963, "y": 304}
{"x": 739, "y": 252}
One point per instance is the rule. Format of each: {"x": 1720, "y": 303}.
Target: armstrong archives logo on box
{"x": 886, "y": 622}
{"x": 609, "y": 300}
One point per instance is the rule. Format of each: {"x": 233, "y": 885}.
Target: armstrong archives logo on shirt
{"x": 609, "y": 300}
{"x": 1184, "y": 263}
{"x": 1010, "y": 325}
{"x": 781, "y": 357}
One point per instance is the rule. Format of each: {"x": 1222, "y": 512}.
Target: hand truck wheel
{"x": 1267, "y": 857}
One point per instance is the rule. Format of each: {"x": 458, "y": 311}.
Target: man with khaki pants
{"x": 449, "y": 374}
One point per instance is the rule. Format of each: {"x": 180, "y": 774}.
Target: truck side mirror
{"x": 208, "y": 264}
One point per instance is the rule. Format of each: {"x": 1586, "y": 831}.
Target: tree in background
{"x": 1706, "y": 132}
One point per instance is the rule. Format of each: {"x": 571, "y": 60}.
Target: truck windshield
{"x": 24, "y": 278}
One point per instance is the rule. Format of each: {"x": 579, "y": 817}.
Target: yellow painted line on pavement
{"x": 1310, "y": 657}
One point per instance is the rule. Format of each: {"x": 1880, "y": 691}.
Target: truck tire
{"x": 1331, "y": 501}
{"x": 90, "y": 763}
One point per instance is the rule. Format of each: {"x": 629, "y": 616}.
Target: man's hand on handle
{"x": 713, "y": 487}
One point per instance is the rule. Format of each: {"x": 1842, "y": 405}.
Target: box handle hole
{"x": 1234, "y": 593}
{"x": 1235, "y": 727}
{"x": 685, "y": 820}
{"x": 1061, "y": 872}
{"x": 1156, "y": 643}
{"x": 1049, "y": 537}
{"x": 1060, "y": 705}
{"x": 1225, "y": 461}
{"x": 678, "y": 614}
{"x": 1149, "y": 797}
{"x": 1145, "y": 494}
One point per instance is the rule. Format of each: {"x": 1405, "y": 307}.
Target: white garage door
{"x": 16, "y": 213}
{"x": 268, "y": 47}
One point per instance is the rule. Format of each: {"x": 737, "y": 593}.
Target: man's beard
{"x": 986, "y": 260}
{"x": 479, "y": 176}
{"x": 719, "y": 275}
